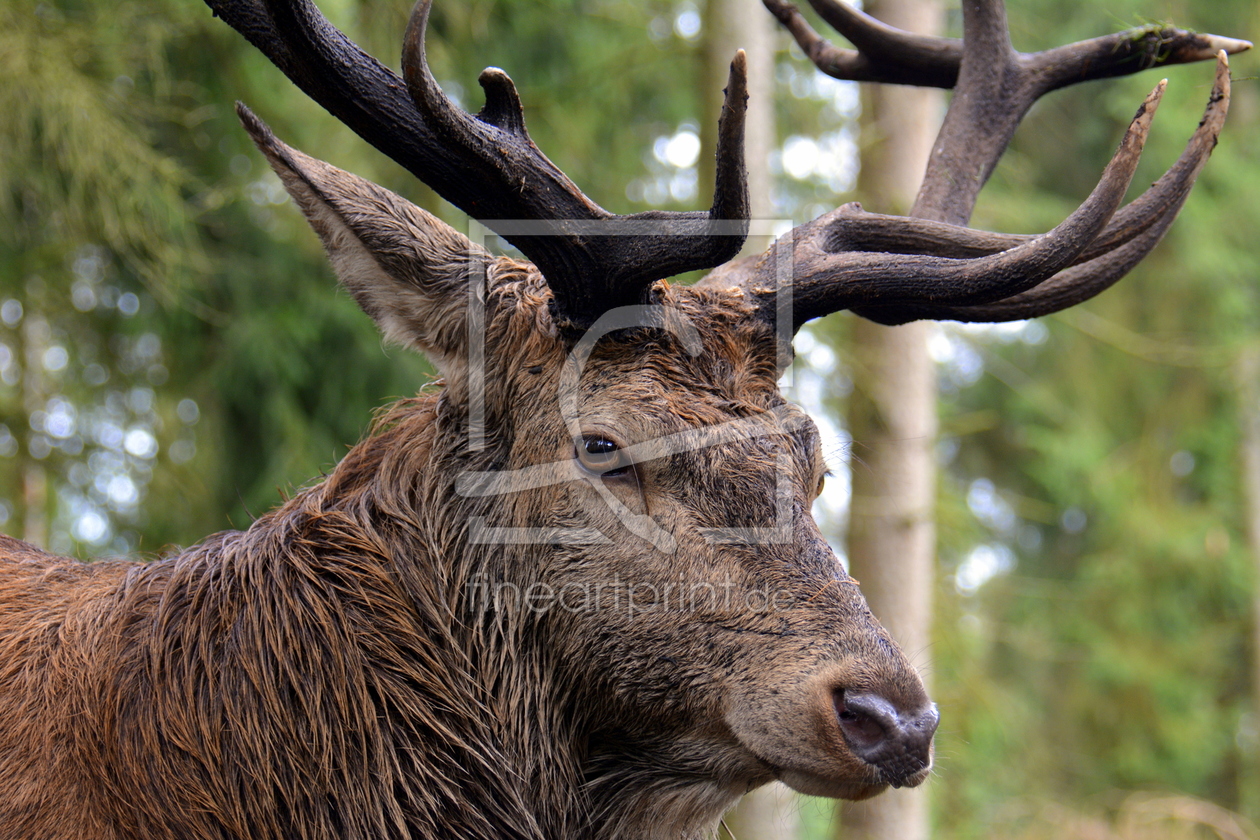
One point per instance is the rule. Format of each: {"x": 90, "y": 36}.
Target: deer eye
{"x": 600, "y": 456}
{"x": 822, "y": 482}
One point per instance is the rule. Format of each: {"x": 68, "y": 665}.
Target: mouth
{"x": 871, "y": 780}
{"x": 868, "y": 782}
{"x": 812, "y": 784}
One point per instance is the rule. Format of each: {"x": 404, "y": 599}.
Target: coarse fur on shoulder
{"x": 292, "y": 680}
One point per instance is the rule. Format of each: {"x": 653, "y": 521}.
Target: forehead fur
{"x": 735, "y": 370}
{"x": 733, "y": 374}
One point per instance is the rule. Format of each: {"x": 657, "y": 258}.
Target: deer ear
{"x": 406, "y": 268}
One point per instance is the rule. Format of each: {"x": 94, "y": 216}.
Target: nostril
{"x": 866, "y": 721}
{"x": 899, "y": 743}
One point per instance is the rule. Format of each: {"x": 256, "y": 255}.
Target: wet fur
{"x": 332, "y": 673}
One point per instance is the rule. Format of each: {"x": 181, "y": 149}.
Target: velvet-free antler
{"x": 487, "y": 165}
{"x": 929, "y": 265}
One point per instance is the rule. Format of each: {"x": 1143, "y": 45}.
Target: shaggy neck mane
{"x": 330, "y": 657}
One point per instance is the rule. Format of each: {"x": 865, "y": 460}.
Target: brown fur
{"x": 342, "y": 669}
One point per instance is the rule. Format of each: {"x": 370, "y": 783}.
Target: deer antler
{"x": 487, "y": 165}
{"x": 893, "y": 269}
{"x": 892, "y": 56}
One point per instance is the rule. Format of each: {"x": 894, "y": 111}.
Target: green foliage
{"x": 121, "y": 156}
{"x": 1114, "y": 656}
{"x": 144, "y": 237}
{"x": 1097, "y": 594}
{"x": 147, "y": 248}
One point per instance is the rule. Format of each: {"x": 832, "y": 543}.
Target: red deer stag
{"x": 574, "y": 590}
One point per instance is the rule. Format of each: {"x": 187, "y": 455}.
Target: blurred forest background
{"x": 174, "y": 356}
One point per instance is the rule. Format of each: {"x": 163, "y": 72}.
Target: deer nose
{"x": 897, "y": 742}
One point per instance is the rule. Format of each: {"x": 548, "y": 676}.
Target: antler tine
{"x": 854, "y": 229}
{"x": 730, "y": 182}
{"x": 1063, "y": 290}
{"x": 503, "y": 107}
{"x": 496, "y": 139}
{"x": 1133, "y": 233}
{"x": 486, "y": 165}
{"x": 1124, "y": 53}
{"x": 826, "y": 279}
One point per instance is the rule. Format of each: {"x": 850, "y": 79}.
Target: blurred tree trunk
{"x": 34, "y": 332}
{"x": 770, "y": 812}
{"x": 1249, "y": 409}
{"x": 892, "y": 417}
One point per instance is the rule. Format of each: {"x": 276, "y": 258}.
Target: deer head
{"x": 622, "y": 494}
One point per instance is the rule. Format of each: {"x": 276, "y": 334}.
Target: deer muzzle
{"x": 897, "y": 742}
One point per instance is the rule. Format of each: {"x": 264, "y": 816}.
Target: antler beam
{"x": 893, "y": 56}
